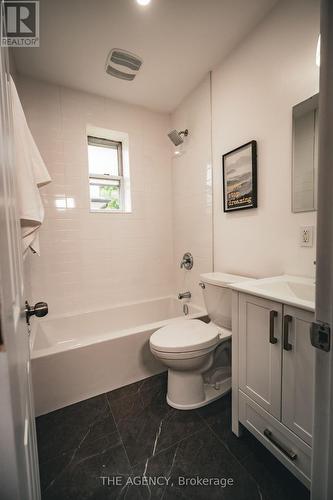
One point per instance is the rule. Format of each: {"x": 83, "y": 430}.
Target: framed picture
{"x": 240, "y": 178}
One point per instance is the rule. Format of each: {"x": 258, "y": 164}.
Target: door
{"x": 322, "y": 463}
{"x": 298, "y": 363}
{"x": 19, "y": 477}
{"x": 260, "y": 333}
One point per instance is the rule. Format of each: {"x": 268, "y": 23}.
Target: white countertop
{"x": 291, "y": 290}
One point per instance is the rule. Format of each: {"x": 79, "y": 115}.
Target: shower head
{"x": 176, "y": 137}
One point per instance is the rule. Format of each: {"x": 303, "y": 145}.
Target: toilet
{"x": 188, "y": 347}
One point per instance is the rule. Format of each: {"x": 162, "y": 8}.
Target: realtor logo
{"x": 20, "y": 23}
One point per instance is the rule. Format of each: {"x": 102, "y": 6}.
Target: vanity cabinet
{"x": 260, "y": 361}
{"x": 273, "y": 376}
{"x": 298, "y": 373}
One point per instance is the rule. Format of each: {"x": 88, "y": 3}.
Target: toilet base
{"x": 210, "y": 394}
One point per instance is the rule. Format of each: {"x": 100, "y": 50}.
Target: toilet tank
{"x": 217, "y": 296}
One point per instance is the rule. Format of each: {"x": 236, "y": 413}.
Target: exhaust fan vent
{"x": 119, "y": 74}
{"x": 123, "y": 64}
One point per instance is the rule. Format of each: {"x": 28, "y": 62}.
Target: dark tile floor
{"x": 129, "y": 444}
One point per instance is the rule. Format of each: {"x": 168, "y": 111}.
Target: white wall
{"x": 91, "y": 260}
{"x": 192, "y": 190}
{"x": 253, "y": 94}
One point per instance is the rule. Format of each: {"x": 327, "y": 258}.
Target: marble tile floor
{"x": 129, "y": 444}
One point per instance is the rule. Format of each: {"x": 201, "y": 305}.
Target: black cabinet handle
{"x": 289, "y": 453}
{"x": 272, "y": 316}
{"x": 286, "y": 344}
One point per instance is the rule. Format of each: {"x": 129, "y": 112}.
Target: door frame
{"x": 322, "y": 462}
{"x": 19, "y": 473}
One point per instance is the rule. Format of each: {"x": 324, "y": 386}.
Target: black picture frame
{"x": 245, "y": 179}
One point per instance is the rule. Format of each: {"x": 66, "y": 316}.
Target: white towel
{"x": 31, "y": 174}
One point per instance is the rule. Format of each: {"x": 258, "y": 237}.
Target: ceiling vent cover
{"x": 122, "y": 64}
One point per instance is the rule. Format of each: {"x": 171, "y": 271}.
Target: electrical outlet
{"x": 306, "y": 236}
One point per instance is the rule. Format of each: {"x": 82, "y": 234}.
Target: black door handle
{"x": 272, "y": 316}
{"x": 286, "y": 344}
{"x": 40, "y": 309}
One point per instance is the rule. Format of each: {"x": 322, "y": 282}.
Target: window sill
{"x": 108, "y": 211}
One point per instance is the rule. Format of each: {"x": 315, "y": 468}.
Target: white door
{"x": 19, "y": 477}
{"x": 260, "y": 335}
{"x": 322, "y": 463}
{"x": 298, "y": 373}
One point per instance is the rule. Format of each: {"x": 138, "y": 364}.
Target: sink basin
{"x": 292, "y": 290}
{"x": 303, "y": 291}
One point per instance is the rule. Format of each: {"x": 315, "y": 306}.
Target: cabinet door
{"x": 260, "y": 352}
{"x": 298, "y": 373}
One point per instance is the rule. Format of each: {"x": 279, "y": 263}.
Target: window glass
{"x": 103, "y": 160}
{"x": 106, "y": 180}
{"x": 105, "y": 195}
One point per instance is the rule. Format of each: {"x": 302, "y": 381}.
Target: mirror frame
{"x": 312, "y": 103}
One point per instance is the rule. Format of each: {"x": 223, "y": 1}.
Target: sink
{"x": 292, "y": 290}
{"x": 303, "y": 291}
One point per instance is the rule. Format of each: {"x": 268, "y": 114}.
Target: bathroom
{"x": 156, "y": 339}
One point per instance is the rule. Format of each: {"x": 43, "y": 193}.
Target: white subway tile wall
{"x": 89, "y": 260}
{"x": 192, "y": 190}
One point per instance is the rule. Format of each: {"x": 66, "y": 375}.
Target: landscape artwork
{"x": 240, "y": 177}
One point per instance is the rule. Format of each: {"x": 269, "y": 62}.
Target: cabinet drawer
{"x": 287, "y": 447}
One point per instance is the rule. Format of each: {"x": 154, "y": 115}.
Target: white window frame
{"x": 122, "y": 141}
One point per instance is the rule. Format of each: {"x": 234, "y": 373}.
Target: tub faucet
{"x": 184, "y": 295}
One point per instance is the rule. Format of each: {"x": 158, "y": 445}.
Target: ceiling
{"x": 178, "y": 40}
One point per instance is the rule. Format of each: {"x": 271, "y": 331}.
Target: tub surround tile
{"x": 132, "y": 433}
{"x": 192, "y": 190}
{"x": 63, "y": 145}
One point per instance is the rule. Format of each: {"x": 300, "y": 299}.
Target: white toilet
{"x": 187, "y": 347}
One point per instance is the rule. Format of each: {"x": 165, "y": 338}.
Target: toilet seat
{"x": 188, "y": 336}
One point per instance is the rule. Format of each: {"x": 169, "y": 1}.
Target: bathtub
{"x": 76, "y": 357}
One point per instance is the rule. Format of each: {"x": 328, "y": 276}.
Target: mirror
{"x": 305, "y": 155}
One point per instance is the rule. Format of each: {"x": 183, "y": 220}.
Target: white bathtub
{"x": 77, "y": 357}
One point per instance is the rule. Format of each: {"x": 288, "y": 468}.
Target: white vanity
{"x": 273, "y": 367}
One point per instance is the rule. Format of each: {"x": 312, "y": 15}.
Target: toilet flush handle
{"x": 223, "y": 336}
{"x": 202, "y": 284}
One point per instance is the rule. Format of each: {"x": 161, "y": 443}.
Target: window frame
{"x": 113, "y": 144}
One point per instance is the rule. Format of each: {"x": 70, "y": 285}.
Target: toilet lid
{"x": 184, "y": 336}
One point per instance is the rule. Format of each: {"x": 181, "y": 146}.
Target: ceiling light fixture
{"x": 143, "y": 2}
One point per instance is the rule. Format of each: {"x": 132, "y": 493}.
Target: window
{"x": 106, "y": 174}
